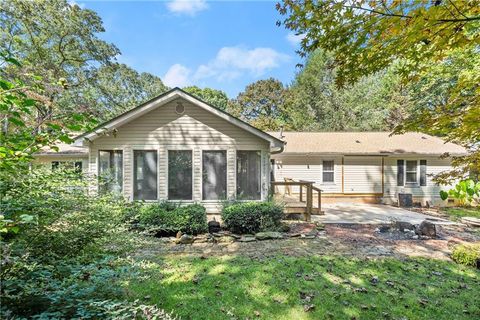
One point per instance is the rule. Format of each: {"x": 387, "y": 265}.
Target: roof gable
{"x": 162, "y": 100}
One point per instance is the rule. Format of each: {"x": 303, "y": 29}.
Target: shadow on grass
{"x": 316, "y": 287}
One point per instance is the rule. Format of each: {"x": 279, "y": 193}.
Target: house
{"x": 366, "y": 166}
{"x": 179, "y": 148}
{"x": 176, "y": 147}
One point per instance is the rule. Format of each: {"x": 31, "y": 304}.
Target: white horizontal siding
{"x": 362, "y": 174}
{"x": 196, "y": 129}
{"x": 308, "y": 168}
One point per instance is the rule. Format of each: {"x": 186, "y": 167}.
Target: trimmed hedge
{"x": 467, "y": 254}
{"x": 167, "y": 218}
{"x": 251, "y": 217}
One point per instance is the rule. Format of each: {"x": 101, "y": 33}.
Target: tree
{"x": 262, "y": 104}
{"x": 216, "y": 98}
{"x": 56, "y": 41}
{"x": 365, "y": 35}
{"x": 114, "y": 89}
{"x": 365, "y": 105}
{"x": 424, "y": 38}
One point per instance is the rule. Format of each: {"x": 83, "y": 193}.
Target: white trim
{"x": 164, "y": 99}
{"x": 180, "y": 148}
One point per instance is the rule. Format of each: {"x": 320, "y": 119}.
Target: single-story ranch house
{"x": 179, "y": 148}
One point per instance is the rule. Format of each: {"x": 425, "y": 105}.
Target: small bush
{"x": 166, "y": 218}
{"x": 251, "y": 217}
{"x": 467, "y": 254}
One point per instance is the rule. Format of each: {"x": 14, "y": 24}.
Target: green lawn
{"x": 458, "y": 212}
{"x": 333, "y": 287}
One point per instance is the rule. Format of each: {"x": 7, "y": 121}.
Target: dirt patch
{"x": 346, "y": 240}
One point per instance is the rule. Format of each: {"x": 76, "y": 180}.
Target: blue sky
{"x": 219, "y": 44}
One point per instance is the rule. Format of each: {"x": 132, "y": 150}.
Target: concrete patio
{"x": 371, "y": 214}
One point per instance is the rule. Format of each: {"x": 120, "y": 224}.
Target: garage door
{"x": 362, "y": 174}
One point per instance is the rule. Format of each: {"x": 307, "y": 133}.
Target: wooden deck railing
{"x": 310, "y": 188}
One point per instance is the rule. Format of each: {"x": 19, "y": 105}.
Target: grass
{"x": 280, "y": 287}
{"x": 458, "y": 212}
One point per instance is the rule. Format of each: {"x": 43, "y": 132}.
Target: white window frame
{"x": 417, "y": 173}
{"x": 333, "y": 171}
{"x": 180, "y": 148}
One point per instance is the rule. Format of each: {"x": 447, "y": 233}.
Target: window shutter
{"x": 423, "y": 172}
{"x": 400, "y": 173}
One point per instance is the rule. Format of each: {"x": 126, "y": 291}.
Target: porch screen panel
{"x": 214, "y": 175}
{"x": 110, "y": 171}
{"x": 180, "y": 175}
{"x": 248, "y": 175}
{"x": 144, "y": 175}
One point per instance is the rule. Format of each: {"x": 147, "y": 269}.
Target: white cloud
{"x": 294, "y": 39}
{"x": 177, "y": 76}
{"x": 232, "y": 62}
{"x": 188, "y": 7}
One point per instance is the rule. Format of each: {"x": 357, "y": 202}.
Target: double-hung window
{"x": 180, "y": 182}
{"x": 248, "y": 175}
{"x": 145, "y": 175}
{"x": 328, "y": 169}
{"x": 214, "y": 175}
{"x": 411, "y": 172}
{"x": 110, "y": 171}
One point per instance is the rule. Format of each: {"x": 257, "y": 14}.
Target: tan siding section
{"x": 309, "y": 168}
{"x": 362, "y": 174}
{"x": 196, "y": 129}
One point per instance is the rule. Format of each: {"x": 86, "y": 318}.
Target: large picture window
{"x": 214, "y": 175}
{"x": 328, "y": 168}
{"x": 180, "y": 175}
{"x": 144, "y": 175}
{"x": 248, "y": 175}
{"x": 110, "y": 171}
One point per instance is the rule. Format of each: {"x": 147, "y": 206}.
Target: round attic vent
{"x": 180, "y": 108}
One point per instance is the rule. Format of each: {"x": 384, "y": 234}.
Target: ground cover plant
{"x": 315, "y": 287}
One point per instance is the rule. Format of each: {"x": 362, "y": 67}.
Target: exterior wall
{"x": 309, "y": 168}
{"x": 362, "y": 179}
{"x": 430, "y": 192}
{"x": 196, "y": 129}
{"x": 46, "y": 160}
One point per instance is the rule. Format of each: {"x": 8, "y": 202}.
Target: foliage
{"x": 434, "y": 43}
{"x": 167, "y": 218}
{"x": 466, "y": 192}
{"x": 364, "y": 35}
{"x": 216, "y": 98}
{"x": 113, "y": 89}
{"x": 467, "y": 254}
{"x": 262, "y": 104}
{"x": 370, "y": 104}
{"x": 265, "y": 285}
{"x": 251, "y": 217}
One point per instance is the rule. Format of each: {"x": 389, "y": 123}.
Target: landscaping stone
{"x": 294, "y": 235}
{"x": 402, "y": 226}
{"x": 268, "y": 235}
{"x": 248, "y": 238}
{"x": 471, "y": 221}
{"x": 179, "y": 234}
{"x": 383, "y": 229}
{"x": 226, "y": 238}
{"x": 201, "y": 238}
{"x": 185, "y": 239}
{"x": 426, "y": 228}
{"x": 214, "y": 226}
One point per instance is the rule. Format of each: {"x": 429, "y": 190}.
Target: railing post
{"x": 301, "y": 193}
{"x": 319, "y": 201}
{"x": 309, "y": 202}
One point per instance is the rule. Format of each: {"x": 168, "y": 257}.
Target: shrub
{"x": 467, "y": 254}
{"x": 166, "y": 218}
{"x": 251, "y": 217}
